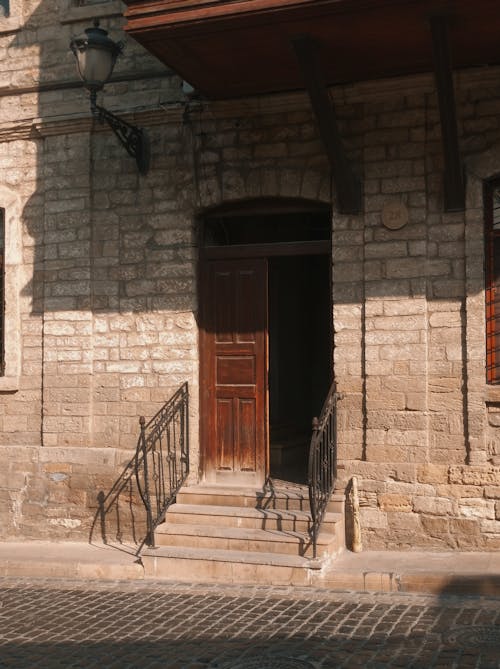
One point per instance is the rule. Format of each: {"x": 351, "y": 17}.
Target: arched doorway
{"x": 265, "y": 337}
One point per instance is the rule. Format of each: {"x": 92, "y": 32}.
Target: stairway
{"x": 223, "y": 534}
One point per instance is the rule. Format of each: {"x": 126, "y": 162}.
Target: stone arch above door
{"x": 269, "y": 182}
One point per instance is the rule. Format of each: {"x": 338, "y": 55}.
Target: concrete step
{"x": 244, "y": 539}
{"x": 227, "y": 566}
{"x": 239, "y": 516}
{"x": 285, "y": 496}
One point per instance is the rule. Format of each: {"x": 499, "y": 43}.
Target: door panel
{"x": 234, "y": 370}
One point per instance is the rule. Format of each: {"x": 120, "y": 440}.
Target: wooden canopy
{"x": 234, "y": 48}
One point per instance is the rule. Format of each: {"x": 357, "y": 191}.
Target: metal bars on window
{"x": 492, "y": 278}
{"x": 2, "y": 291}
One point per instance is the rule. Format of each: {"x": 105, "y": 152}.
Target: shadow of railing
{"x": 120, "y": 516}
{"x": 150, "y": 481}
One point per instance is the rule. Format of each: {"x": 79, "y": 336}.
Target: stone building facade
{"x": 101, "y": 293}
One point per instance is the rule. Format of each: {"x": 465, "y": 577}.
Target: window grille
{"x": 2, "y": 291}
{"x": 492, "y": 287}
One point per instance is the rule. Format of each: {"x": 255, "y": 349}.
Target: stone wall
{"x": 106, "y": 265}
{"x": 418, "y": 418}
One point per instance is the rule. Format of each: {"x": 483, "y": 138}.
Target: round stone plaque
{"x": 394, "y": 215}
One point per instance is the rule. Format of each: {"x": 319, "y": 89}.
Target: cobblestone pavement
{"x": 150, "y": 625}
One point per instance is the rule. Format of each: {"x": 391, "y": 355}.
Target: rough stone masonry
{"x": 101, "y": 294}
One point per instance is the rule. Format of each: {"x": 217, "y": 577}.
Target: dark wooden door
{"x": 234, "y": 371}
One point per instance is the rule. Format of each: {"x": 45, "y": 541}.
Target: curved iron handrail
{"x": 322, "y": 471}
{"x": 162, "y": 459}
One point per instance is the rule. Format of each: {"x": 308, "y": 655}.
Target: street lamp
{"x": 96, "y": 55}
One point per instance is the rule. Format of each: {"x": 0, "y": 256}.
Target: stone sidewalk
{"x": 369, "y": 571}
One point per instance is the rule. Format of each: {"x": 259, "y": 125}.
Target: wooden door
{"x": 233, "y": 379}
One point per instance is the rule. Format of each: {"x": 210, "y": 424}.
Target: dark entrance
{"x": 299, "y": 318}
{"x": 266, "y": 343}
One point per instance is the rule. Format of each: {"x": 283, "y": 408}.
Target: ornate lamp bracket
{"x": 134, "y": 139}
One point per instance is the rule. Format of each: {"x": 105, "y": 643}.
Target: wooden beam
{"x": 454, "y": 185}
{"x": 347, "y": 185}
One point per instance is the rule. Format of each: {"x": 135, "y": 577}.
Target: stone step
{"x": 244, "y": 539}
{"x": 286, "y": 496}
{"x": 239, "y": 516}
{"x": 227, "y": 566}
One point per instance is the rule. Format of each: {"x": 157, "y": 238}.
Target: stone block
{"x": 404, "y": 473}
{"x": 435, "y": 526}
{"x": 491, "y": 526}
{"x": 434, "y": 506}
{"x": 405, "y": 524}
{"x": 492, "y": 492}
{"x": 57, "y": 467}
{"x": 416, "y": 401}
{"x": 396, "y": 453}
{"x": 373, "y": 518}
{"x": 464, "y": 527}
{"x": 475, "y": 475}
{"x": 459, "y": 491}
{"x": 393, "y": 502}
{"x": 477, "y": 508}
{"x": 410, "y": 489}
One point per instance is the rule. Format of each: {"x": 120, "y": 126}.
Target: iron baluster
{"x": 146, "y": 498}
{"x": 184, "y": 450}
{"x": 322, "y": 471}
{"x": 172, "y": 442}
{"x": 162, "y": 459}
{"x": 160, "y": 473}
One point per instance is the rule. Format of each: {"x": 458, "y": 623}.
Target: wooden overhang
{"x": 235, "y": 48}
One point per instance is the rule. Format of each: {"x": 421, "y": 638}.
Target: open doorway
{"x": 299, "y": 318}
{"x": 265, "y": 339}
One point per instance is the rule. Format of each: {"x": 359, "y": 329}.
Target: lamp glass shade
{"x": 95, "y": 55}
{"x": 94, "y": 66}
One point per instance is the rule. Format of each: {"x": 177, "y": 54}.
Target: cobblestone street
{"x": 72, "y": 624}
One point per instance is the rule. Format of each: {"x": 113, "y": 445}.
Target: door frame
{"x": 249, "y": 251}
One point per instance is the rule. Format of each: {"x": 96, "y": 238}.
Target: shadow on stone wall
{"x": 120, "y": 517}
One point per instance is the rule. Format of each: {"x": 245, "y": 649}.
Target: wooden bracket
{"x": 454, "y": 185}
{"x": 347, "y": 185}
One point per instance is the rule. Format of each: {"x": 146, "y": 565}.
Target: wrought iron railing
{"x": 162, "y": 459}
{"x": 322, "y": 463}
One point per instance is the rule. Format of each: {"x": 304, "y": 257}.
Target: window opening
{"x": 266, "y": 229}
{"x": 492, "y": 287}
{"x": 2, "y": 291}
{"x": 4, "y": 8}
